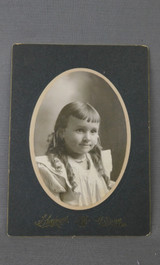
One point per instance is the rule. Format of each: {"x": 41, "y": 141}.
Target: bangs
{"x": 86, "y": 112}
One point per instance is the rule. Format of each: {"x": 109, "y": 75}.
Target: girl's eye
{"x": 93, "y": 131}
{"x": 80, "y": 130}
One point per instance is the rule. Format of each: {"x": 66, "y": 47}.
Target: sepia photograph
{"x": 80, "y": 138}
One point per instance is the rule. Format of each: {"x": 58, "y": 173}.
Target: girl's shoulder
{"x": 53, "y": 173}
{"x": 56, "y": 165}
{"x": 107, "y": 160}
{"x": 106, "y": 153}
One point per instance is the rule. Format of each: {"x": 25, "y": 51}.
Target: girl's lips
{"x": 86, "y": 145}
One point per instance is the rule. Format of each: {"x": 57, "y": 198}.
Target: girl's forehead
{"x": 73, "y": 122}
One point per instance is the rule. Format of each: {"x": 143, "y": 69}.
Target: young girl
{"x": 75, "y": 169}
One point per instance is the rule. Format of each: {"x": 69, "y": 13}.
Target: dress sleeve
{"x": 107, "y": 161}
{"x": 55, "y": 180}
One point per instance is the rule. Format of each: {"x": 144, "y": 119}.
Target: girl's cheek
{"x": 96, "y": 139}
{"x": 75, "y": 136}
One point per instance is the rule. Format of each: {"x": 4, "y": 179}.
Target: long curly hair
{"x": 56, "y": 144}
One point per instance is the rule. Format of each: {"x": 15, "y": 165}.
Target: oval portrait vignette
{"x": 79, "y": 139}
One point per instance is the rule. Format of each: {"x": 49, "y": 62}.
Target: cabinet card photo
{"x": 79, "y": 141}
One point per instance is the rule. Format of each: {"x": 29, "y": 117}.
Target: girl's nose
{"x": 87, "y": 136}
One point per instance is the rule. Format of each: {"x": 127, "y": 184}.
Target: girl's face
{"x": 80, "y": 136}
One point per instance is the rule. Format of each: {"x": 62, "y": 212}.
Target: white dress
{"x": 90, "y": 186}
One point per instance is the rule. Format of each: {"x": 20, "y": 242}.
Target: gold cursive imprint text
{"x": 48, "y": 221}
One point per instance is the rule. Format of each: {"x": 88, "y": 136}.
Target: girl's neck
{"x": 78, "y": 158}
{"x": 83, "y": 162}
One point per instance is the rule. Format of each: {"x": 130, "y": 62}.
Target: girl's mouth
{"x": 86, "y": 145}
